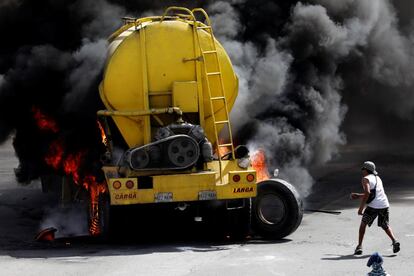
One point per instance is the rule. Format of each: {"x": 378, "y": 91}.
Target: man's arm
{"x": 365, "y": 195}
{"x": 356, "y": 195}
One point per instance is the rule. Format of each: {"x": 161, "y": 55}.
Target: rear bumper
{"x": 181, "y": 188}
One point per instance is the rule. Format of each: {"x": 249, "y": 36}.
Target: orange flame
{"x": 71, "y": 166}
{"x": 223, "y": 150}
{"x": 70, "y": 163}
{"x": 258, "y": 160}
{"x": 103, "y": 135}
{"x": 55, "y": 155}
{"x": 95, "y": 190}
{"x": 44, "y": 122}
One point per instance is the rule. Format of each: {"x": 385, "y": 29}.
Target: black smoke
{"x": 317, "y": 74}
{"x": 51, "y": 60}
{"x": 313, "y": 74}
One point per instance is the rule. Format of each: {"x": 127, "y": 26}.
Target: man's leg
{"x": 367, "y": 218}
{"x": 362, "y": 228}
{"x": 395, "y": 243}
{"x": 383, "y": 221}
{"x": 390, "y": 234}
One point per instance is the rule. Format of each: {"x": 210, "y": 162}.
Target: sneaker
{"x": 396, "y": 247}
{"x": 358, "y": 250}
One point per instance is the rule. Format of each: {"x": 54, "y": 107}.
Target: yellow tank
{"x": 162, "y": 62}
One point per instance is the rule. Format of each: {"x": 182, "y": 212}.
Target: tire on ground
{"x": 277, "y": 210}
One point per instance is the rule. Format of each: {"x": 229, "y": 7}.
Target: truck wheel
{"x": 277, "y": 209}
{"x": 102, "y": 224}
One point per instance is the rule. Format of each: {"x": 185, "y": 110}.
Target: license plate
{"x": 207, "y": 195}
{"x": 164, "y": 197}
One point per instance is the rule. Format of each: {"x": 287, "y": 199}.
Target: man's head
{"x": 368, "y": 168}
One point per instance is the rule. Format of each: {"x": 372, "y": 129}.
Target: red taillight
{"x": 116, "y": 185}
{"x": 236, "y": 178}
{"x": 129, "y": 184}
{"x": 250, "y": 177}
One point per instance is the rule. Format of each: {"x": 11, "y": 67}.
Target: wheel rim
{"x": 271, "y": 209}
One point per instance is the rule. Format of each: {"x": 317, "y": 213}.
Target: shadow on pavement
{"x": 258, "y": 241}
{"x": 93, "y": 250}
{"x": 390, "y": 256}
{"x": 88, "y": 247}
{"x": 344, "y": 257}
{"x": 352, "y": 257}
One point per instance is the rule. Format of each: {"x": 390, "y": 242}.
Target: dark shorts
{"x": 370, "y": 214}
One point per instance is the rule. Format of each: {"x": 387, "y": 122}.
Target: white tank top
{"x": 380, "y": 201}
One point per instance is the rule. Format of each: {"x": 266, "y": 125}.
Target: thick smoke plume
{"x": 304, "y": 65}
{"x": 52, "y": 65}
{"x": 313, "y": 74}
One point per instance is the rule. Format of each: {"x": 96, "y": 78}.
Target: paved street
{"x": 323, "y": 244}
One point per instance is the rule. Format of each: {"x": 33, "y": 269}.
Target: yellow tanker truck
{"x": 168, "y": 88}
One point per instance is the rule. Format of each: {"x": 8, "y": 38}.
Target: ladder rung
{"x": 204, "y": 27}
{"x": 222, "y": 122}
{"x": 213, "y": 74}
{"x": 225, "y": 145}
{"x": 217, "y": 98}
{"x": 210, "y": 52}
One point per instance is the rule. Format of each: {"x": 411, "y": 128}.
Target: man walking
{"x": 377, "y": 205}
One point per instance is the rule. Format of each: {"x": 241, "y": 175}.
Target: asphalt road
{"x": 323, "y": 244}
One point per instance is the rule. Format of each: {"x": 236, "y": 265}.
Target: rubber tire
{"x": 293, "y": 209}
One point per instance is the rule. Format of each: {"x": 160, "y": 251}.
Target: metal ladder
{"x": 221, "y": 97}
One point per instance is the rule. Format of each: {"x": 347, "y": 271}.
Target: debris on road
{"x": 47, "y": 234}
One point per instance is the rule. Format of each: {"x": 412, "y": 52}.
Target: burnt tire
{"x": 277, "y": 210}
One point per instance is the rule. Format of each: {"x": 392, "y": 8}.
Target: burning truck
{"x": 168, "y": 88}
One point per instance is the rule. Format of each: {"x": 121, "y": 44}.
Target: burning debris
{"x": 47, "y": 234}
